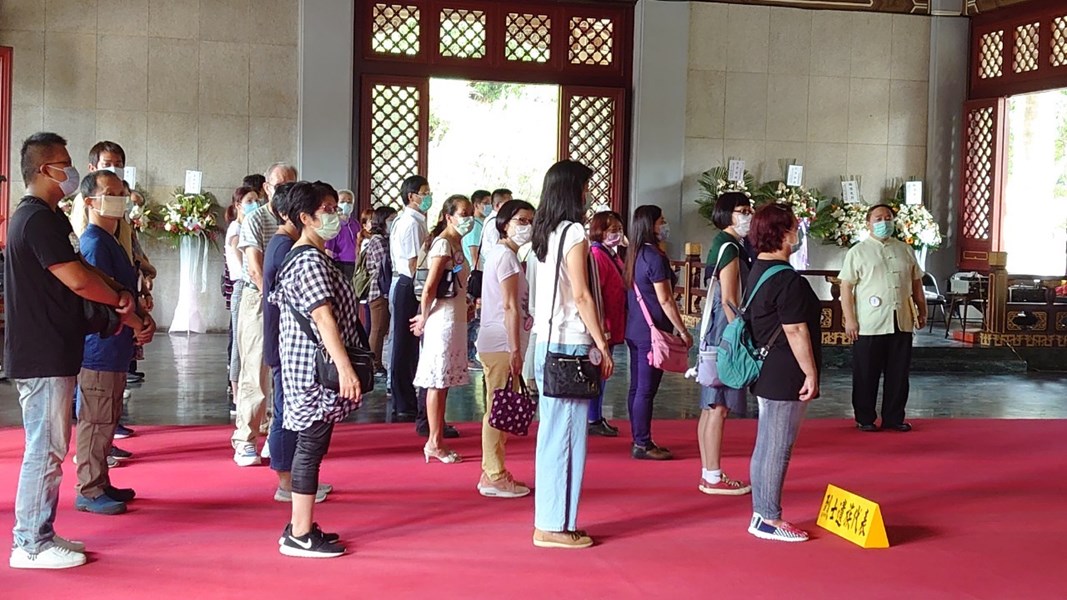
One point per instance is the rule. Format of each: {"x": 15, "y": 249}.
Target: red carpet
{"x": 974, "y": 509}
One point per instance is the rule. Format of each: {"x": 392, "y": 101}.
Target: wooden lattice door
{"x": 591, "y": 132}
{"x": 981, "y": 197}
{"x": 395, "y": 140}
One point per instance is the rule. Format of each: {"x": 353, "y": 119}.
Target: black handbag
{"x": 359, "y": 355}
{"x": 474, "y": 282}
{"x": 446, "y": 286}
{"x": 565, "y": 375}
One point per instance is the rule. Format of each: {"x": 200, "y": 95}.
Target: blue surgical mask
{"x": 69, "y": 185}
{"x": 664, "y": 233}
{"x": 346, "y": 208}
{"x": 248, "y": 209}
{"x": 487, "y": 210}
{"x": 883, "y": 229}
{"x": 426, "y": 203}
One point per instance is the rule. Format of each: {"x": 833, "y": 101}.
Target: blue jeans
{"x": 281, "y": 441}
{"x": 560, "y": 458}
{"x": 46, "y": 409}
{"x": 644, "y": 383}
{"x": 779, "y": 422}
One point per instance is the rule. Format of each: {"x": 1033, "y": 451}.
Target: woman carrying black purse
{"x": 316, "y": 289}
{"x": 571, "y": 358}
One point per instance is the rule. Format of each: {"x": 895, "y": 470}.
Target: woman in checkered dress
{"x": 312, "y": 286}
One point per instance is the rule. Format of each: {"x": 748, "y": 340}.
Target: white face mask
{"x": 110, "y": 206}
{"x": 522, "y": 234}
{"x": 464, "y": 225}
{"x": 743, "y": 224}
{"x": 116, "y": 170}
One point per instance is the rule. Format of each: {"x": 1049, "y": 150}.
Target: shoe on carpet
{"x": 786, "y": 532}
{"x": 329, "y": 537}
{"x": 561, "y": 539}
{"x": 134, "y": 378}
{"x": 281, "y": 495}
{"x": 233, "y": 409}
{"x": 450, "y": 432}
{"x": 126, "y": 394}
{"x": 312, "y": 545}
{"x": 72, "y": 545}
{"x": 101, "y": 505}
{"x": 869, "y": 427}
{"x": 725, "y": 487}
{"x": 505, "y": 487}
{"x": 112, "y": 462}
{"x": 901, "y": 427}
{"x": 119, "y": 494}
{"x": 651, "y": 452}
{"x": 245, "y": 455}
{"x": 265, "y": 452}
{"x": 53, "y": 557}
{"x": 602, "y": 428}
{"x": 120, "y": 454}
{"x": 122, "y": 432}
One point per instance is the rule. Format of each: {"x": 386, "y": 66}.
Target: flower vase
{"x": 920, "y": 257}
{"x": 799, "y": 259}
{"x": 192, "y": 256}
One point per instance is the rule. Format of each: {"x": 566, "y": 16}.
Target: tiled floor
{"x": 187, "y": 381}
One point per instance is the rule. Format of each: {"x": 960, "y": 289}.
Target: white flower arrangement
{"x": 189, "y": 215}
{"x": 841, "y": 224}
{"x": 804, "y": 202}
{"x": 916, "y": 227}
{"x": 715, "y": 182}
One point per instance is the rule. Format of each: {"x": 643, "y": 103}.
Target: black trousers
{"x": 311, "y": 446}
{"x": 875, "y": 356}
{"x": 405, "y": 355}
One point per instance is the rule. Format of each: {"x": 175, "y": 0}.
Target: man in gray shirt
{"x": 256, "y": 231}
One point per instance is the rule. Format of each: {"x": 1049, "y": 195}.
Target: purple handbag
{"x": 512, "y": 411}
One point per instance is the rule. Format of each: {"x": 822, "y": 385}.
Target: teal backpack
{"x": 739, "y": 361}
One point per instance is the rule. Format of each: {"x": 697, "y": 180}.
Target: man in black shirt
{"x": 45, "y": 283}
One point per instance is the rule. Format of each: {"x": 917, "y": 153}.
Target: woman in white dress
{"x": 442, "y": 322}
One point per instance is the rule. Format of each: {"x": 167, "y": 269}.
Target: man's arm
{"x": 918, "y": 295}
{"x": 86, "y": 282}
{"x": 254, "y": 260}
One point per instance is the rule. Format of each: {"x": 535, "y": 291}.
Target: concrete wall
{"x": 180, "y": 84}
{"x": 841, "y": 92}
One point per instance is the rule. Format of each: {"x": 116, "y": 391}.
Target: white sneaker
{"x": 265, "y": 452}
{"x": 245, "y": 455}
{"x": 72, "y": 545}
{"x": 54, "y": 557}
{"x": 126, "y": 394}
{"x": 112, "y": 462}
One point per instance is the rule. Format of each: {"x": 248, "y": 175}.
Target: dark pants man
{"x": 404, "y": 358}
{"x": 872, "y": 357}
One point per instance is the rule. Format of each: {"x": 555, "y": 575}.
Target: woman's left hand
{"x": 516, "y": 363}
{"x": 349, "y": 387}
{"x": 688, "y": 338}
{"x": 418, "y": 324}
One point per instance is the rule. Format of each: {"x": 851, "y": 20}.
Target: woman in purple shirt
{"x": 344, "y": 249}
{"x": 649, "y": 271}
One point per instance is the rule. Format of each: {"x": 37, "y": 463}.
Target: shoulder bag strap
{"x": 555, "y": 285}
{"x": 763, "y": 278}
{"x": 705, "y": 325}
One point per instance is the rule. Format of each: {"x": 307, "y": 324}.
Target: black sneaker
{"x": 120, "y": 494}
{"x": 312, "y": 545}
{"x": 332, "y": 538}
{"x": 122, "y": 432}
{"x": 602, "y": 428}
{"x": 120, "y": 454}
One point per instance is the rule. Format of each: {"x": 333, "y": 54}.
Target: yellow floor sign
{"x": 852, "y": 517}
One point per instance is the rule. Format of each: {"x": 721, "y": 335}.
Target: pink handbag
{"x": 669, "y": 351}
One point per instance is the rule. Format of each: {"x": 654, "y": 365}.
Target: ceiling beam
{"x": 914, "y": 7}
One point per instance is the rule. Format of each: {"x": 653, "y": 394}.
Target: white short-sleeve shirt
{"x": 256, "y": 230}
{"x": 405, "y": 241}
{"x": 501, "y": 264}
{"x": 567, "y": 324}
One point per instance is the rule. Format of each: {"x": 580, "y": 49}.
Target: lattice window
{"x": 591, "y": 41}
{"x": 462, "y": 33}
{"x": 591, "y": 141}
{"x": 991, "y": 55}
{"x": 978, "y": 180}
{"x": 394, "y": 141}
{"x": 528, "y": 38}
{"x": 1025, "y": 55}
{"x": 395, "y": 29}
{"x": 1059, "y": 42}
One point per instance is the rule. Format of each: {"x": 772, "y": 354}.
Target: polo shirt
{"x": 650, "y": 267}
{"x": 881, "y": 273}
{"x": 405, "y": 241}
{"x": 256, "y": 230}
{"x": 102, "y": 250}
{"x": 473, "y": 238}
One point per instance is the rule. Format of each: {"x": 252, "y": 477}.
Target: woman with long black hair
{"x": 648, "y": 273}
{"x": 566, "y": 322}
{"x": 442, "y": 322}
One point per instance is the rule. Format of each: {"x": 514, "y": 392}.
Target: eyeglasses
{"x": 522, "y": 221}
{"x": 744, "y": 211}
